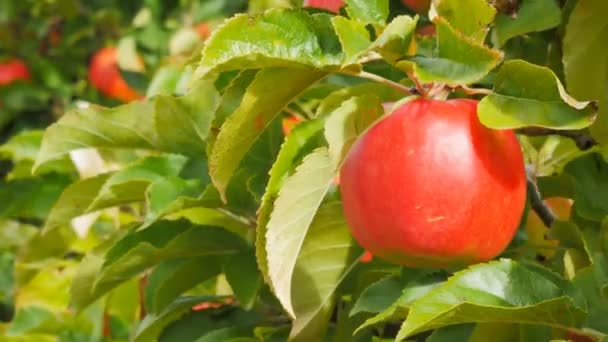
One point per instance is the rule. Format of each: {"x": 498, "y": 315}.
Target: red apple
{"x": 426, "y": 31}
{"x": 105, "y": 76}
{"x": 330, "y": 5}
{"x": 366, "y": 257}
{"x": 430, "y": 186}
{"x": 574, "y": 337}
{"x": 419, "y": 6}
{"x": 13, "y": 70}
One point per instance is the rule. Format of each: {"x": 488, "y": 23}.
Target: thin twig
{"x": 385, "y": 81}
{"x": 419, "y": 85}
{"x": 583, "y": 140}
{"x": 538, "y": 205}
{"x": 475, "y": 91}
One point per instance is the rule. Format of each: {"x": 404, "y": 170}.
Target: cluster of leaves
{"x": 208, "y": 223}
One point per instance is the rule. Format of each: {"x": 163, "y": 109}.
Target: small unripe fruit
{"x": 13, "y": 70}
{"x": 105, "y": 76}
{"x": 430, "y": 186}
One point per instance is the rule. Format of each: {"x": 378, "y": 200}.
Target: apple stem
{"x": 398, "y": 86}
{"x": 583, "y": 141}
{"x": 538, "y": 205}
{"x": 419, "y": 86}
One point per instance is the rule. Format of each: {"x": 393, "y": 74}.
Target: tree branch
{"x": 583, "y": 140}
{"x": 538, "y": 205}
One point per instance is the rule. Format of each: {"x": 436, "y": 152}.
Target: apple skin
{"x": 203, "y": 30}
{"x": 430, "y": 186}
{"x": 288, "y": 124}
{"x": 13, "y": 70}
{"x": 330, "y": 5}
{"x": 419, "y": 6}
{"x": 105, "y": 76}
{"x": 574, "y": 337}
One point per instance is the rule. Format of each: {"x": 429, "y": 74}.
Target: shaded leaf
{"x": 530, "y": 95}
{"x": 244, "y": 278}
{"x": 177, "y": 125}
{"x": 103, "y": 270}
{"x": 260, "y": 105}
{"x": 532, "y": 16}
{"x": 589, "y": 174}
{"x": 585, "y": 59}
{"x": 172, "y": 278}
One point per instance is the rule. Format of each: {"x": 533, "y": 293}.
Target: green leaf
{"x": 353, "y": 37}
{"x": 22, "y": 150}
{"x": 345, "y": 123}
{"x": 326, "y": 256}
{"x": 172, "y": 278}
{"x": 598, "y": 304}
{"x": 152, "y": 325}
{"x": 499, "y": 291}
{"x": 107, "y": 190}
{"x": 260, "y": 105}
{"x": 31, "y": 198}
{"x": 368, "y": 11}
{"x": 103, "y": 270}
{"x": 244, "y": 278}
{"x": 379, "y": 296}
{"x": 532, "y": 16}
{"x": 530, "y": 95}
{"x": 214, "y": 217}
{"x": 336, "y": 98}
{"x": 460, "y": 332}
{"x": 585, "y": 59}
{"x": 415, "y": 285}
{"x": 278, "y": 38}
{"x": 300, "y": 141}
{"x": 590, "y": 176}
{"x": 397, "y": 39}
{"x": 459, "y": 59}
{"x": 177, "y": 125}
{"x": 171, "y": 194}
{"x": 472, "y": 22}
{"x": 290, "y": 221}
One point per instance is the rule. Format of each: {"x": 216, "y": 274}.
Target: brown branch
{"x": 583, "y": 140}
{"x": 536, "y": 201}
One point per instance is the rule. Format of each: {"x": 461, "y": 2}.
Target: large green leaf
{"x": 346, "y": 122}
{"x": 500, "y": 291}
{"x": 278, "y": 38}
{"x": 105, "y": 269}
{"x": 261, "y": 103}
{"x": 300, "y": 142}
{"x": 107, "y": 190}
{"x": 244, "y": 277}
{"x": 471, "y": 17}
{"x": 294, "y": 211}
{"x": 353, "y": 36}
{"x": 368, "y": 11}
{"x": 177, "y": 125}
{"x": 590, "y": 176}
{"x": 532, "y": 16}
{"x": 530, "y": 95}
{"x": 172, "y": 278}
{"x": 459, "y": 59}
{"x": 31, "y": 198}
{"x": 585, "y": 59}
{"x": 326, "y": 257}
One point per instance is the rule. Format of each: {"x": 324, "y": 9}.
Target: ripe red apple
{"x": 105, "y": 76}
{"x": 419, "y": 6}
{"x": 430, "y": 186}
{"x": 330, "y": 5}
{"x": 574, "y": 337}
{"x": 13, "y": 70}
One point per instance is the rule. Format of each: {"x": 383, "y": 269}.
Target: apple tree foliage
{"x": 204, "y": 221}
